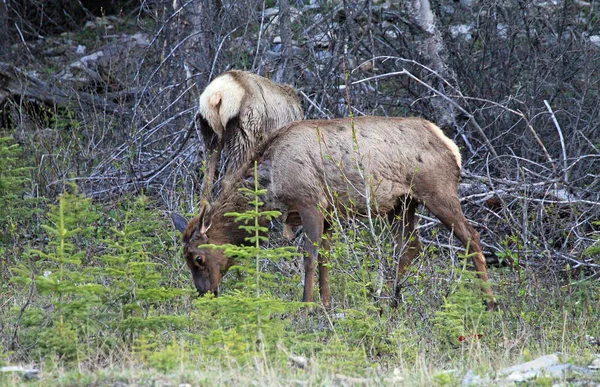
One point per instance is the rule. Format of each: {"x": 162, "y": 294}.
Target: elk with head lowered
{"x": 311, "y": 168}
{"x": 235, "y": 113}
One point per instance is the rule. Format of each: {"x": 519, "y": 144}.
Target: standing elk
{"x": 236, "y": 110}
{"x": 311, "y": 168}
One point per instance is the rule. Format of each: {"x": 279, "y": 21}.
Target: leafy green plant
{"x": 59, "y": 273}
{"x": 120, "y": 291}
{"x": 594, "y": 250}
{"x": 236, "y": 323}
{"x": 132, "y": 277}
{"x": 15, "y": 208}
{"x": 463, "y": 316}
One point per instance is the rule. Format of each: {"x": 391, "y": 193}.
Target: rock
{"x": 549, "y": 366}
{"x": 447, "y": 9}
{"x": 502, "y": 30}
{"x": 461, "y": 30}
{"x": 555, "y": 371}
{"x": 343, "y": 380}
{"x": 31, "y": 374}
{"x": 270, "y": 12}
{"x": 595, "y": 40}
{"x": 273, "y": 14}
{"x": 322, "y": 39}
{"x": 581, "y": 370}
{"x": 298, "y": 361}
{"x": 545, "y": 366}
{"x": 472, "y": 379}
{"x": 108, "y": 65}
{"x": 595, "y": 365}
{"x": 28, "y": 374}
{"x": 537, "y": 364}
{"x": 12, "y": 369}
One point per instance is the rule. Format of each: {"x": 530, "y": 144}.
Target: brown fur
{"x": 312, "y": 168}
{"x": 236, "y": 110}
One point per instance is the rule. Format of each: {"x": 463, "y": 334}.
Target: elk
{"x": 235, "y": 112}
{"x": 310, "y": 168}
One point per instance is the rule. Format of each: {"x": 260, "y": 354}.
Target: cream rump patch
{"x": 449, "y": 143}
{"x": 220, "y": 102}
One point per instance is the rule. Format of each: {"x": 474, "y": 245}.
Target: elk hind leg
{"x": 313, "y": 224}
{"x": 324, "y": 270}
{"x": 448, "y": 211}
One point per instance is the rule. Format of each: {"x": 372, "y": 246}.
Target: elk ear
{"x": 204, "y": 224}
{"x": 205, "y": 227}
{"x": 179, "y": 222}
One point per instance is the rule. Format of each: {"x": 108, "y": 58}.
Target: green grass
{"x": 101, "y": 296}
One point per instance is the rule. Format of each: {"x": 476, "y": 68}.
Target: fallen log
{"x": 16, "y": 82}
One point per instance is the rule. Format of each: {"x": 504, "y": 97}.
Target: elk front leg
{"x": 313, "y": 223}
{"x": 407, "y": 240}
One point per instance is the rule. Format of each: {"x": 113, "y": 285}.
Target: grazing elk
{"x": 311, "y": 168}
{"x": 236, "y": 110}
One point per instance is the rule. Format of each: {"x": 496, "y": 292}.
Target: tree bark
{"x": 4, "y": 30}
{"x": 285, "y": 72}
{"x": 197, "y": 24}
{"x": 435, "y": 52}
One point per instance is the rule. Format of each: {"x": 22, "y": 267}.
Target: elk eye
{"x": 200, "y": 260}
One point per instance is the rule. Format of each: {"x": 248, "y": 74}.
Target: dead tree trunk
{"x": 435, "y": 53}
{"x": 4, "y": 30}
{"x": 16, "y": 82}
{"x": 285, "y": 72}
{"x": 197, "y": 23}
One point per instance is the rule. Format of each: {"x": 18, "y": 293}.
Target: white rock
{"x": 299, "y": 361}
{"x": 595, "y": 40}
{"x": 472, "y": 379}
{"x": 91, "y": 58}
{"x": 12, "y": 369}
{"x": 28, "y": 374}
{"x": 321, "y": 39}
{"x": 270, "y": 12}
{"x": 539, "y": 363}
{"x": 502, "y": 30}
{"x": 463, "y": 30}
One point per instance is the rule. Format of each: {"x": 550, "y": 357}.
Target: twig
{"x": 435, "y": 91}
{"x": 14, "y": 81}
{"x": 522, "y": 115}
{"x": 149, "y": 176}
{"x": 562, "y": 141}
{"x": 23, "y": 39}
{"x": 31, "y": 291}
{"x": 456, "y": 105}
{"x": 470, "y": 116}
{"x": 313, "y": 104}
{"x": 214, "y": 63}
{"x": 260, "y": 30}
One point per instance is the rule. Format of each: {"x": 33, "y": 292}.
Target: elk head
{"x": 207, "y": 264}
